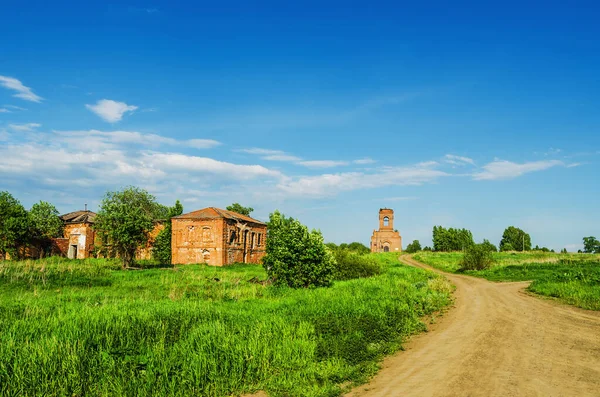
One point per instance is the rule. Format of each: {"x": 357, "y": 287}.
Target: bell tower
{"x": 386, "y": 219}
{"x": 386, "y": 239}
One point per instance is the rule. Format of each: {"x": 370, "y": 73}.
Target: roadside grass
{"x": 572, "y": 278}
{"x": 89, "y": 328}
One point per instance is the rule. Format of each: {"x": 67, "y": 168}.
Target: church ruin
{"x": 386, "y": 239}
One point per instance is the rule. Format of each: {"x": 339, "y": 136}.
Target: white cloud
{"x": 322, "y": 163}
{"x": 502, "y": 169}
{"x": 14, "y": 107}
{"x": 3, "y": 110}
{"x": 28, "y": 127}
{"x": 281, "y": 157}
{"x": 23, "y": 91}
{"x": 366, "y": 160}
{"x": 271, "y": 155}
{"x": 111, "y": 111}
{"x": 458, "y": 160}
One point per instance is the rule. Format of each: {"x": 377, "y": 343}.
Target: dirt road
{"x": 497, "y": 341}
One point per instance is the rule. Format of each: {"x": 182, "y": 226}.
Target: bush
{"x": 477, "y": 257}
{"x": 296, "y": 257}
{"x": 350, "y": 265}
{"x": 413, "y": 247}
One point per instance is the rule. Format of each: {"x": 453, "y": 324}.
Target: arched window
{"x": 386, "y": 221}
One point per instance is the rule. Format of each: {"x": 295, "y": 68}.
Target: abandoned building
{"x": 386, "y": 239}
{"x": 217, "y": 237}
{"x": 78, "y": 235}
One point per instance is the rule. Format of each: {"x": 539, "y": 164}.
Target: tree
{"x": 45, "y": 225}
{"x": 564, "y": 251}
{"x": 14, "y": 225}
{"x": 125, "y": 220}
{"x": 236, "y": 207}
{"x": 517, "y": 238}
{"x": 296, "y": 257}
{"x": 359, "y": 248}
{"x": 413, "y": 247}
{"x": 591, "y": 245}
{"x": 489, "y": 246}
{"x": 427, "y": 248}
{"x": 477, "y": 257}
{"x": 161, "y": 250}
{"x": 451, "y": 239}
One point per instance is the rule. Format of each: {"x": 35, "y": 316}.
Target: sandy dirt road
{"x": 496, "y": 341}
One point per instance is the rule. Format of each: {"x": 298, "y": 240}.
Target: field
{"x": 572, "y": 278}
{"x": 88, "y": 328}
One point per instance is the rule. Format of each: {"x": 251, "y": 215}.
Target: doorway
{"x": 72, "y": 254}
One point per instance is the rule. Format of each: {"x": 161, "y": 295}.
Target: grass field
{"x": 88, "y": 328}
{"x": 572, "y": 278}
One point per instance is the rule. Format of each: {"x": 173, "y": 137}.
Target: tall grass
{"x": 198, "y": 330}
{"x": 572, "y": 278}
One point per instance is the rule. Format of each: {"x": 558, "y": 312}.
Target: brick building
{"x": 78, "y": 235}
{"x": 386, "y": 239}
{"x": 217, "y": 237}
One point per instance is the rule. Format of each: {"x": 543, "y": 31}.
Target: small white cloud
{"x": 366, "y": 160}
{"x": 458, "y": 160}
{"x": 322, "y": 163}
{"x": 281, "y": 157}
{"x": 23, "y": 91}
{"x": 4, "y": 110}
{"x": 24, "y": 127}
{"x": 13, "y": 107}
{"x": 260, "y": 151}
{"x": 502, "y": 169}
{"x": 271, "y": 155}
{"x": 202, "y": 143}
{"x": 111, "y": 111}
{"x": 574, "y": 165}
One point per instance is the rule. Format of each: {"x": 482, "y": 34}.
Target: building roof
{"x": 79, "y": 217}
{"x": 216, "y": 213}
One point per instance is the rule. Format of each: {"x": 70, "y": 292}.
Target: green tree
{"x": 517, "y": 238}
{"x": 490, "y": 246}
{"x": 125, "y": 220}
{"x": 359, "y": 248}
{"x": 14, "y": 225}
{"x": 591, "y": 245}
{"x": 295, "y": 256}
{"x": 161, "y": 250}
{"x": 451, "y": 239}
{"x": 413, "y": 247}
{"x": 45, "y": 225}
{"x": 236, "y": 207}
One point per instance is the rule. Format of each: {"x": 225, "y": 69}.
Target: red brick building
{"x": 217, "y": 237}
{"x": 78, "y": 236}
{"x": 386, "y": 239}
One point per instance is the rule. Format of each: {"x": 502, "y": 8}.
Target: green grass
{"x": 572, "y": 278}
{"x": 88, "y": 328}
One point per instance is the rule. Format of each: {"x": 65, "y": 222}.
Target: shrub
{"x": 477, "y": 257}
{"x": 296, "y": 257}
{"x": 350, "y": 265}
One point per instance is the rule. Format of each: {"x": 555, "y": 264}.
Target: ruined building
{"x": 78, "y": 236}
{"x": 217, "y": 237}
{"x": 386, "y": 239}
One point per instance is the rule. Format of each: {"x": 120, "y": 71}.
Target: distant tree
{"x": 161, "y": 250}
{"x": 486, "y": 243}
{"x": 295, "y": 256}
{"x": 331, "y": 246}
{"x": 45, "y": 225}
{"x": 14, "y": 225}
{"x": 359, "y": 248}
{"x": 413, "y": 247}
{"x": 517, "y": 238}
{"x": 451, "y": 239}
{"x": 236, "y": 207}
{"x": 564, "y": 251}
{"x": 579, "y": 251}
{"x": 125, "y": 219}
{"x": 427, "y": 248}
{"x": 591, "y": 245}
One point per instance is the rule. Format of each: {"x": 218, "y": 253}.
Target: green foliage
{"x": 351, "y": 264}
{"x": 564, "y": 251}
{"x": 413, "y": 247}
{"x": 125, "y": 219}
{"x": 45, "y": 225}
{"x": 87, "y": 328}
{"x": 427, "y": 248}
{"x": 161, "y": 250}
{"x": 591, "y": 245}
{"x": 359, "y": 248}
{"x": 491, "y": 247}
{"x": 14, "y": 225}
{"x": 236, "y": 207}
{"x": 296, "y": 257}
{"x": 515, "y": 239}
{"x": 451, "y": 239}
{"x": 477, "y": 257}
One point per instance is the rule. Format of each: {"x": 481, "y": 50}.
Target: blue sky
{"x": 459, "y": 114}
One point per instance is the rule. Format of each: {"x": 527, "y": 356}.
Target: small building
{"x": 78, "y": 235}
{"x": 217, "y": 237}
{"x": 386, "y": 239}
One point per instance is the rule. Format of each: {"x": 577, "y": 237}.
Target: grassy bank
{"x": 88, "y": 328}
{"x": 572, "y": 278}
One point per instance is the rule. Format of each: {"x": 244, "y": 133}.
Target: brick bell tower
{"x": 386, "y": 239}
